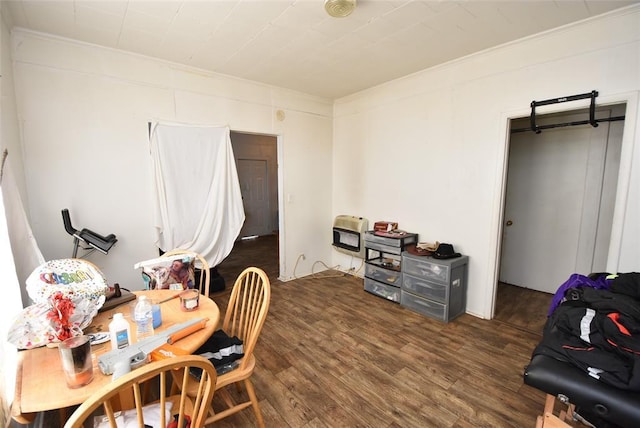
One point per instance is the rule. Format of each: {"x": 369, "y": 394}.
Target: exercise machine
{"x": 86, "y": 239}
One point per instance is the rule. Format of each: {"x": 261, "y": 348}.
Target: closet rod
{"x": 564, "y": 125}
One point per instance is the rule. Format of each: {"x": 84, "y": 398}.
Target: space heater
{"x": 348, "y": 234}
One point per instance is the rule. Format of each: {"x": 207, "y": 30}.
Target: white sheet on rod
{"x": 198, "y": 204}
{"x": 26, "y": 252}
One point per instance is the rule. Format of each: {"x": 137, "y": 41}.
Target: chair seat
{"x": 238, "y": 374}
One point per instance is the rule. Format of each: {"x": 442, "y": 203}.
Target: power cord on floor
{"x": 352, "y": 271}
{"x": 336, "y": 267}
{"x": 301, "y": 256}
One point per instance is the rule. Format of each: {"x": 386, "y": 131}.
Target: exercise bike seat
{"x": 103, "y": 243}
{"x": 94, "y": 240}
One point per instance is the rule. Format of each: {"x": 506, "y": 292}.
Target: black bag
{"x": 222, "y": 350}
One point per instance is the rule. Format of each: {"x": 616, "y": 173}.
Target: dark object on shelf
{"x": 445, "y": 251}
{"x": 92, "y": 241}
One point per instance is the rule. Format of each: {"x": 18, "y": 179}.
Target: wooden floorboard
{"x": 332, "y": 355}
{"x": 522, "y": 307}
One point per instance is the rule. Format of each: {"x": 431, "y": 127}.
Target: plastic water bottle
{"x": 143, "y": 314}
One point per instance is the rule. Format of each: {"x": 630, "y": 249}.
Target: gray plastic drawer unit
{"x": 424, "y": 306}
{"x": 436, "y": 288}
{"x": 388, "y": 276}
{"x": 399, "y": 242}
{"x": 422, "y": 287}
{"x": 389, "y": 292}
{"x": 383, "y": 256}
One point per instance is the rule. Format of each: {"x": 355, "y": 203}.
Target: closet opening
{"x": 558, "y": 207}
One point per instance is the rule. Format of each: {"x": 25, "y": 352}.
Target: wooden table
{"x": 40, "y": 383}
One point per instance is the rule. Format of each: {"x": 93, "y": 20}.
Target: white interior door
{"x": 552, "y": 207}
{"x": 252, "y": 174}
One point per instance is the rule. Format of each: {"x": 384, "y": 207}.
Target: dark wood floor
{"x": 521, "y": 307}
{"x": 332, "y": 355}
{"x": 261, "y": 252}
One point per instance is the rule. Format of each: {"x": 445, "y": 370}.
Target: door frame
{"x": 622, "y": 190}
{"x": 280, "y": 203}
{"x": 582, "y": 218}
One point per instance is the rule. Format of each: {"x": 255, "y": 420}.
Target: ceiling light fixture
{"x": 339, "y": 8}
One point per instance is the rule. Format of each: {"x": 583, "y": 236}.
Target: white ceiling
{"x": 294, "y": 43}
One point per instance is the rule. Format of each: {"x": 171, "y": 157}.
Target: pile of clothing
{"x": 594, "y": 324}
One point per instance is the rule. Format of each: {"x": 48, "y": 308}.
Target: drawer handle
{"x": 417, "y": 285}
{"x": 429, "y": 273}
{"x": 424, "y": 303}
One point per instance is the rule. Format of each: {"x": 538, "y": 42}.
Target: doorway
{"x": 256, "y": 157}
{"x": 559, "y": 200}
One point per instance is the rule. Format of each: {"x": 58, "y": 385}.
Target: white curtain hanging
{"x": 26, "y": 252}
{"x": 19, "y": 255}
{"x": 198, "y": 204}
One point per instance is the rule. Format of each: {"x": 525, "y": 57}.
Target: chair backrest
{"x": 247, "y": 308}
{"x": 182, "y": 405}
{"x": 200, "y": 263}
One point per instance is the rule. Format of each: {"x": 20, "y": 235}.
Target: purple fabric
{"x": 576, "y": 280}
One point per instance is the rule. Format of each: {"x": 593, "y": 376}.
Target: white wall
{"x": 84, "y": 113}
{"x": 428, "y": 150}
{"x": 10, "y": 131}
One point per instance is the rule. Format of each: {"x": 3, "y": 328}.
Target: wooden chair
{"x": 245, "y": 315}
{"x": 195, "y": 406}
{"x": 200, "y": 263}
